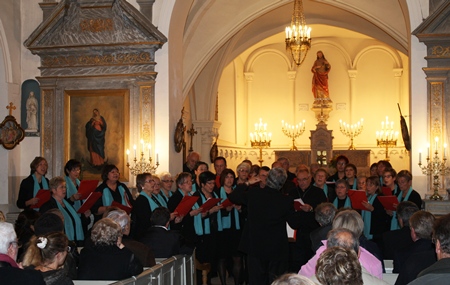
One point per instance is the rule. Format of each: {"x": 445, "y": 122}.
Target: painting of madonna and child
{"x": 98, "y": 121}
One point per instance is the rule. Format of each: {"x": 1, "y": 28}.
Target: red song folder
{"x": 90, "y": 201}
{"x": 388, "y": 202}
{"x": 227, "y": 203}
{"x": 297, "y": 203}
{"x": 122, "y": 207}
{"x": 43, "y": 195}
{"x": 211, "y": 202}
{"x": 185, "y": 205}
{"x": 357, "y": 197}
{"x": 87, "y": 187}
{"x": 387, "y": 191}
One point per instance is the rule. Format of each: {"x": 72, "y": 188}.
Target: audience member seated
{"x": 142, "y": 252}
{"x": 346, "y": 239}
{"x": 107, "y": 258}
{"x": 292, "y": 279}
{"x": 339, "y": 266}
{"x": 33, "y": 183}
{"x": 401, "y": 238}
{"x": 10, "y": 272}
{"x": 52, "y": 221}
{"x": 351, "y": 220}
{"x": 324, "y": 215}
{"x": 2, "y": 217}
{"x": 439, "y": 272}
{"x": 47, "y": 253}
{"x": 163, "y": 242}
{"x": 411, "y": 260}
{"x": 24, "y": 227}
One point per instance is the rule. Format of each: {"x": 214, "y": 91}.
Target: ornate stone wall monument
{"x": 94, "y": 45}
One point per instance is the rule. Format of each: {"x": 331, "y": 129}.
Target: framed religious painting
{"x": 11, "y": 133}
{"x": 96, "y": 128}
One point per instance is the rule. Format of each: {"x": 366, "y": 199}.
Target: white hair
{"x": 119, "y": 216}
{"x": 165, "y": 174}
{"x": 7, "y": 236}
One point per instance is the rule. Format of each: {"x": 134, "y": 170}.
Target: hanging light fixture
{"x": 298, "y": 35}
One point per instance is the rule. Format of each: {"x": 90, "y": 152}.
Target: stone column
{"x": 207, "y": 132}
{"x": 146, "y": 8}
{"x": 352, "y": 96}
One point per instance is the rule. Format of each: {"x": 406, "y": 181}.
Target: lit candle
{"x": 445, "y": 148}
{"x": 157, "y": 157}
{"x": 287, "y": 32}
{"x": 420, "y": 156}
{"x": 134, "y": 147}
{"x": 436, "y": 139}
{"x": 143, "y": 146}
{"x": 149, "y": 150}
{"x": 428, "y": 150}
{"x": 128, "y": 153}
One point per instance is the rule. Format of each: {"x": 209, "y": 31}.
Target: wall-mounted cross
{"x": 192, "y": 132}
{"x": 10, "y": 107}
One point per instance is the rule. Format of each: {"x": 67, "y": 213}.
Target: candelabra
{"x": 142, "y": 165}
{"x": 351, "y": 131}
{"x": 387, "y": 138}
{"x": 260, "y": 138}
{"x": 293, "y": 132}
{"x": 435, "y": 168}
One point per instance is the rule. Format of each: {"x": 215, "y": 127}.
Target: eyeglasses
{"x": 69, "y": 249}
{"x": 243, "y": 170}
{"x": 167, "y": 181}
{"x": 149, "y": 181}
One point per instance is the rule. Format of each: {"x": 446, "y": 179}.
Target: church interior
{"x": 173, "y": 76}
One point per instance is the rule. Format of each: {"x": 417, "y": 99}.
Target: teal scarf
{"x": 37, "y": 187}
{"x": 202, "y": 228}
{"x": 163, "y": 198}
{"x": 194, "y": 188}
{"x": 394, "y": 222}
{"x": 226, "y": 221}
{"x": 68, "y": 225}
{"x": 347, "y": 203}
{"x": 107, "y": 198}
{"x": 152, "y": 203}
{"x": 71, "y": 190}
{"x": 367, "y": 218}
{"x": 325, "y": 189}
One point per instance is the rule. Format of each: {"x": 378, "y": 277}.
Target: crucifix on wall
{"x": 191, "y": 132}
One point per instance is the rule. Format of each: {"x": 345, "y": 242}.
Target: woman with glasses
{"x": 242, "y": 172}
{"x": 166, "y": 188}
{"x": 73, "y": 226}
{"x": 184, "y": 224}
{"x": 145, "y": 204}
{"x": 112, "y": 191}
{"x": 47, "y": 254}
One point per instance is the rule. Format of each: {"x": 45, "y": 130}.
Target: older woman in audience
{"x": 72, "y": 221}
{"x": 47, "y": 254}
{"x": 24, "y": 227}
{"x": 292, "y": 279}
{"x": 107, "y": 258}
{"x": 140, "y": 250}
{"x": 112, "y": 191}
{"x": 166, "y": 187}
{"x": 33, "y": 183}
{"x": 351, "y": 220}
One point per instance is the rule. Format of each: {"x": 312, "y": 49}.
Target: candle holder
{"x": 142, "y": 165}
{"x": 293, "y": 132}
{"x": 387, "y": 137}
{"x": 260, "y": 138}
{"x": 351, "y": 131}
{"x": 435, "y": 168}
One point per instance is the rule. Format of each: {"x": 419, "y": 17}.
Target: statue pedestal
{"x": 322, "y": 111}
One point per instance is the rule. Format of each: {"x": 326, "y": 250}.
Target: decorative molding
{"x": 96, "y": 60}
{"x": 440, "y": 51}
{"x": 97, "y": 25}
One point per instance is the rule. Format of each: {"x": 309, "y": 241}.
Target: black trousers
{"x": 264, "y": 272}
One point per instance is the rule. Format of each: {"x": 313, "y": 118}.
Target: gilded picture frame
{"x": 11, "y": 133}
{"x": 86, "y": 129}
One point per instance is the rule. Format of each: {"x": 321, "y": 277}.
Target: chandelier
{"x": 298, "y": 35}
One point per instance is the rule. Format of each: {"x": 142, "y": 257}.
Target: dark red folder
{"x": 122, "y": 207}
{"x": 90, "y": 201}
{"x": 87, "y": 187}
{"x": 357, "y": 197}
{"x": 227, "y": 203}
{"x": 44, "y": 195}
{"x": 388, "y": 202}
{"x": 185, "y": 205}
{"x": 211, "y": 202}
{"x": 386, "y": 191}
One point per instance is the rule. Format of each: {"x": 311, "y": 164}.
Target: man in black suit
{"x": 401, "y": 238}
{"x": 439, "y": 272}
{"x": 324, "y": 215}
{"x": 163, "y": 242}
{"x": 304, "y": 221}
{"x": 265, "y": 235}
{"x": 411, "y": 260}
